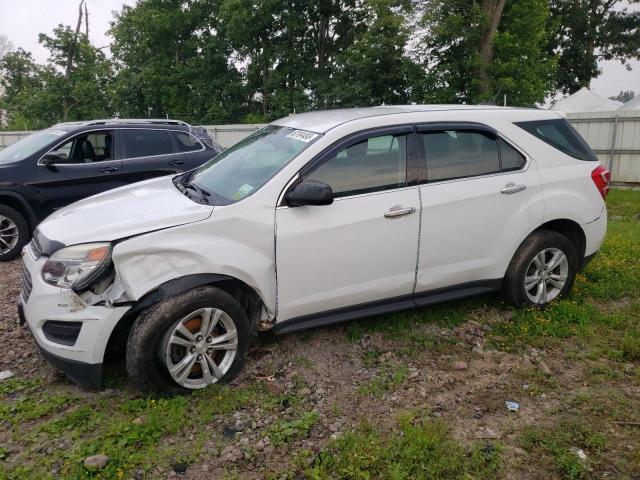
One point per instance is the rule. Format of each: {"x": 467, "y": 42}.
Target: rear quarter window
{"x": 560, "y": 135}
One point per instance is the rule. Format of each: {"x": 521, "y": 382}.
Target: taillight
{"x": 602, "y": 178}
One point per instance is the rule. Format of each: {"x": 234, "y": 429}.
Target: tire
{"x": 152, "y": 347}
{"x": 12, "y": 223}
{"x": 524, "y": 270}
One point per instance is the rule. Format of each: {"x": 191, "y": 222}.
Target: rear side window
{"x": 561, "y": 135}
{"x": 459, "y": 153}
{"x": 144, "y": 143}
{"x": 185, "y": 142}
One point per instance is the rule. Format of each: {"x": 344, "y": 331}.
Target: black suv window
{"x": 89, "y": 147}
{"x": 460, "y": 153}
{"x": 378, "y": 163}
{"x": 186, "y": 142}
{"x": 139, "y": 142}
{"x": 561, "y": 135}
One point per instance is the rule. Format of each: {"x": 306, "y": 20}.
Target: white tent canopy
{"x": 633, "y": 104}
{"x": 585, "y": 100}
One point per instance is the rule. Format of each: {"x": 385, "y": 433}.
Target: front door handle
{"x": 109, "y": 170}
{"x": 176, "y": 162}
{"x": 511, "y": 188}
{"x": 398, "y": 212}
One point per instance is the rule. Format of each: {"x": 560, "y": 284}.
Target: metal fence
{"x": 614, "y": 136}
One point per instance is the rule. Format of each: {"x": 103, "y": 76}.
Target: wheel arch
{"x": 569, "y": 229}
{"x": 19, "y": 204}
{"x": 248, "y": 298}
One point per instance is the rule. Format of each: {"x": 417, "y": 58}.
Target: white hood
{"x": 123, "y": 212}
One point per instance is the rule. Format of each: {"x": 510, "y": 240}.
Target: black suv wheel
{"x": 14, "y": 233}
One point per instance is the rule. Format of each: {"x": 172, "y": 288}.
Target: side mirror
{"x": 54, "y": 157}
{"x": 309, "y": 192}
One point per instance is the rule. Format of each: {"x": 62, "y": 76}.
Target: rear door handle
{"x": 109, "y": 170}
{"x": 176, "y": 162}
{"x": 511, "y": 188}
{"x": 398, "y": 212}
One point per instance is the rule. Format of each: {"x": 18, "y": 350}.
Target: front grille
{"x": 27, "y": 285}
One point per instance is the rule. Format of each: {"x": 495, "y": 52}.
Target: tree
{"x": 175, "y": 59}
{"x": 588, "y": 30}
{"x": 374, "y": 70}
{"x": 27, "y": 100}
{"x": 624, "y": 96}
{"x": 82, "y": 75}
{"x": 477, "y": 51}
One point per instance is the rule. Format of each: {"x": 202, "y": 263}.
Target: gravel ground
{"x": 19, "y": 351}
{"x": 346, "y": 374}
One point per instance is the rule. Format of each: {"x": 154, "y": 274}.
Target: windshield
{"x": 28, "y": 146}
{"x": 245, "y": 167}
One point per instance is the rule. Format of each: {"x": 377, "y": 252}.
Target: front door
{"x": 91, "y": 167}
{"x": 363, "y": 247}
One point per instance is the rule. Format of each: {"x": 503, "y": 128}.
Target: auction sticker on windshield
{"x": 302, "y": 135}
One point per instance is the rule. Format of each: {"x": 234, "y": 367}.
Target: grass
{"x": 422, "y": 448}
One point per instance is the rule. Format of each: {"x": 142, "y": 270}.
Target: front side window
{"x": 378, "y": 163}
{"x": 460, "y": 153}
{"x": 242, "y": 169}
{"x": 88, "y": 147}
{"x": 145, "y": 143}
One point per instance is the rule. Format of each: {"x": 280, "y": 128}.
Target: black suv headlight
{"x": 77, "y": 266}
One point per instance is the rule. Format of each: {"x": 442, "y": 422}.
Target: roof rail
{"x": 157, "y": 121}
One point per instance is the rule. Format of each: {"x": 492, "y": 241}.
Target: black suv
{"x": 70, "y": 161}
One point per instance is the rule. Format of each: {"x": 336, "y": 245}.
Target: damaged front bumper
{"x": 72, "y": 335}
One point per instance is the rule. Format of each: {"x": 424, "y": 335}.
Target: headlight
{"x": 77, "y": 266}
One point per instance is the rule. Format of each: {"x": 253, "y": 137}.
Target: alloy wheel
{"x": 201, "y": 348}
{"x": 8, "y": 234}
{"x": 546, "y": 276}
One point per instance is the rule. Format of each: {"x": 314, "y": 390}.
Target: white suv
{"x": 315, "y": 219}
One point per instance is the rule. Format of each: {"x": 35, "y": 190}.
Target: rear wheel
{"x": 14, "y": 233}
{"x": 188, "y": 342}
{"x": 542, "y": 270}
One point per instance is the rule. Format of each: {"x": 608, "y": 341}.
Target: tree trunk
{"x": 493, "y": 11}
{"x": 69, "y": 67}
{"x": 86, "y": 21}
{"x": 265, "y": 79}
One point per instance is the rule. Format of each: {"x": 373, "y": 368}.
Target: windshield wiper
{"x": 204, "y": 195}
{"x": 182, "y": 184}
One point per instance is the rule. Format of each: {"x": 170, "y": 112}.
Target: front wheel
{"x": 542, "y": 270}
{"x": 14, "y": 233}
{"x": 188, "y": 342}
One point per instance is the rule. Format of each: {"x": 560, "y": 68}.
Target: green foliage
{"x": 36, "y": 96}
{"x": 521, "y": 68}
{"x": 584, "y": 32}
{"x": 624, "y": 96}
{"x": 423, "y": 449}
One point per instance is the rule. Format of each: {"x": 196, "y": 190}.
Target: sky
{"x": 22, "y": 20}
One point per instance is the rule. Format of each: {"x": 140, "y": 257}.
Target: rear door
{"x": 92, "y": 167}
{"x": 192, "y": 152}
{"x": 149, "y": 153}
{"x": 363, "y": 247}
{"x": 480, "y": 199}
